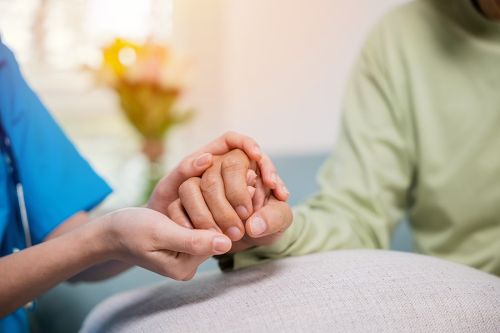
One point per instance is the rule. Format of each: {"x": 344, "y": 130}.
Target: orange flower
{"x": 150, "y": 64}
{"x": 118, "y": 57}
{"x": 148, "y": 79}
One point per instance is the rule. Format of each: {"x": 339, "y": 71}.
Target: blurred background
{"x": 273, "y": 69}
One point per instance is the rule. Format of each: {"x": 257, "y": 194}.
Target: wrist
{"x": 99, "y": 233}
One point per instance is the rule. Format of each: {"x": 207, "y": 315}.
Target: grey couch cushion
{"x": 342, "y": 291}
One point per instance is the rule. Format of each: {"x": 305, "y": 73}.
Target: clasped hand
{"x": 235, "y": 198}
{"x": 224, "y": 197}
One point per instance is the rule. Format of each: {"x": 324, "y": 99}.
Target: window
{"x": 64, "y": 34}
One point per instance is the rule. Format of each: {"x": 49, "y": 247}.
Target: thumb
{"x": 192, "y": 166}
{"x": 275, "y": 217}
{"x": 196, "y": 242}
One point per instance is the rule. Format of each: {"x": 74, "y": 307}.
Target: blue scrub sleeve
{"x": 58, "y": 182}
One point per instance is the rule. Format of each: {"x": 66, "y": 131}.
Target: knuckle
{"x": 239, "y": 153}
{"x": 235, "y": 161}
{"x": 177, "y": 219}
{"x": 172, "y": 209}
{"x": 226, "y": 216}
{"x": 230, "y": 134}
{"x": 183, "y": 168}
{"x": 184, "y": 186}
{"x": 156, "y": 237}
{"x": 188, "y": 185}
{"x": 237, "y": 195}
{"x": 194, "y": 244}
{"x": 209, "y": 182}
{"x": 200, "y": 220}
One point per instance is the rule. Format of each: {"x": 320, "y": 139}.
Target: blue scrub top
{"x": 58, "y": 182}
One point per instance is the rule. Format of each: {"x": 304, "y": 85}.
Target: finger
{"x": 251, "y": 177}
{"x": 177, "y": 214}
{"x": 251, "y": 190}
{"x": 233, "y": 140}
{"x": 274, "y": 217}
{"x": 271, "y": 179}
{"x": 195, "y": 206}
{"x": 166, "y": 191}
{"x": 212, "y": 188}
{"x": 260, "y": 195}
{"x": 193, "y": 241}
{"x": 234, "y": 171}
{"x": 268, "y": 172}
{"x": 281, "y": 192}
{"x": 192, "y": 166}
{"x": 195, "y": 164}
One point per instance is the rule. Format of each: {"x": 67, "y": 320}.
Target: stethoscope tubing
{"x": 23, "y": 212}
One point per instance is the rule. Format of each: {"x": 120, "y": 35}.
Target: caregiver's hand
{"x": 146, "y": 238}
{"x": 135, "y": 236}
{"x": 195, "y": 164}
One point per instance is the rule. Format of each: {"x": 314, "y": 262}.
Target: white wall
{"x": 274, "y": 69}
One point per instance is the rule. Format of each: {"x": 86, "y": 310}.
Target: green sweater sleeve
{"x": 364, "y": 186}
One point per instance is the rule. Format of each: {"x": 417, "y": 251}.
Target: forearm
{"x": 29, "y": 273}
{"x": 95, "y": 273}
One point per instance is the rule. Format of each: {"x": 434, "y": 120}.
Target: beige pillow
{"x": 341, "y": 291}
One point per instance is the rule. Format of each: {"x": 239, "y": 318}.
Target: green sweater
{"x": 420, "y": 138}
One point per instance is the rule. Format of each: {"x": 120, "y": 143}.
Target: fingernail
{"x": 242, "y": 211}
{"x": 203, "y": 160}
{"x": 258, "y": 226}
{"x": 221, "y": 244}
{"x": 234, "y": 233}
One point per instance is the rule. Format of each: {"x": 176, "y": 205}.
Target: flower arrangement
{"x": 148, "y": 79}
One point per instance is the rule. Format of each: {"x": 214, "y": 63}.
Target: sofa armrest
{"x": 345, "y": 291}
